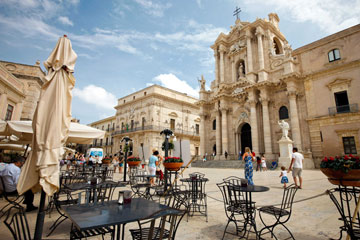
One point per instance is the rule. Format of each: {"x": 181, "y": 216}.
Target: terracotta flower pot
{"x": 133, "y": 163}
{"x": 173, "y": 166}
{"x": 338, "y": 177}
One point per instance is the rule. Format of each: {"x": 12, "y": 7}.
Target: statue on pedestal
{"x": 285, "y": 129}
{"x": 202, "y": 83}
{"x": 241, "y": 70}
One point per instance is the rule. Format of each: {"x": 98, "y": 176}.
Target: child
{"x": 263, "y": 163}
{"x": 283, "y": 176}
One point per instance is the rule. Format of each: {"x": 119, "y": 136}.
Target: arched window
{"x": 214, "y": 124}
{"x": 277, "y": 46}
{"x": 334, "y": 55}
{"x": 283, "y": 113}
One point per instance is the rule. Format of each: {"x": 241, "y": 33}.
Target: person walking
{"x": 248, "y": 158}
{"x": 283, "y": 176}
{"x": 153, "y": 161}
{"x": 296, "y": 166}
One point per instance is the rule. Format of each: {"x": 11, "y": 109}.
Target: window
{"x": 124, "y": 101}
{"x": 342, "y": 102}
{"x": 107, "y": 141}
{"x": 172, "y": 124}
{"x": 95, "y": 142}
{"x": 122, "y": 126}
{"x": 349, "y": 145}
{"x": 277, "y": 46}
{"x": 197, "y": 128}
{"x": 283, "y": 113}
{"x": 133, "y": 97}
{"x": 144, "y": 93}
{"x": 9, "y": 112}
{"x": 214, "y": 124}
{"x": 132, "y": 124}
{"x": 143, "y": 123}
{"x": 334, "y": 55}
{"x": 102, "y": 128}
{"x": 108, "y": 129}
{"x": 113, "y": 128}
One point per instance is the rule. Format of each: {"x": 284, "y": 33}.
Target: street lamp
{"x": 167, "y": 133}
{"x": 126, "y": 139}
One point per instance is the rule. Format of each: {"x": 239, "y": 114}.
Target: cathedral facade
{"x": 260, "y": 80}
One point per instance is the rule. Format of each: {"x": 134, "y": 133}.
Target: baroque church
{"x": 260, "y": 80}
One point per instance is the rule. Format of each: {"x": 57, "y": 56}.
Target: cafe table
{"x": 249, "y": 204}
{"x": 105, "y": 214}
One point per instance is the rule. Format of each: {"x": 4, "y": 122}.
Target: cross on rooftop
{"x": 237, "y": 12}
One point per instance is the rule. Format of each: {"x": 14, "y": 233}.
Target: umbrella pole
{"x": 40, "y": 217}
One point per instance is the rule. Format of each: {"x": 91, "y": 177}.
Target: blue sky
{"x": 126, "y": 45}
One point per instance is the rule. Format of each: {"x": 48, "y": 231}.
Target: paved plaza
{"x": 316, "y": 218}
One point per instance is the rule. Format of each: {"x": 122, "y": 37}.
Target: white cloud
{"x": 330, "y": 15}
{"x": 153, "y": 8}
{"x": 65, "y": 21}
{"x": 97, "y": 96}
{"x": 174, "y": 83}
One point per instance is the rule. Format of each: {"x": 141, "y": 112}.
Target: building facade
{"x": 260, "y": 80}
{"x": 144, "y": 114}
{"x": 107, "y": 125}
{"x": 20, "y": 86}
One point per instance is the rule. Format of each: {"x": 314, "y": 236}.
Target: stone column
{"x": 218, "y": 134}
{"x": 266, "y": 122}
{"x": 254, "y": 127}
{"x": 3, "y": 105}
{"x": 18, "y": 111}
{"x": 202, "y": 132}
{"x": 233, "y": 70}
{"x": 259, "y": 34}
{"x": 217, "y": 79}
{"x": 294, "y": 117}
{"x": 249, "y": 52}
{"x": 222, "y": 50}
{"x": 224, "y": 129}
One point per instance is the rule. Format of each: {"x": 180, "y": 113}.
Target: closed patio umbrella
{"x": 50, "y": 125}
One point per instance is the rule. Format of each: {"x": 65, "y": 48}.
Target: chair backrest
{"x": 6, "y": 194}
{"x": 168, "y": 219}
{"x": 288, "y": 197}
{"x": 17, "y": 223}
{"x": 104, "y": 192}
{"x": 233, "y": 180}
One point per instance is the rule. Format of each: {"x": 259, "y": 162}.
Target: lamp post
{"x": 167, "y": 133}
{"x": 126, "y": 140}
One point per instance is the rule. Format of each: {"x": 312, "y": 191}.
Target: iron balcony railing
{"x": 352, "y": 108}
{"x": 155, "y": 128}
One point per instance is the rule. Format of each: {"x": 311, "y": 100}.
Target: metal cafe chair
{"x": 346, "y": 199}
{"x": 233, "y": 210}
{"x": 167, "y": 225}
{"x": 281, "y": 214}
{"x": 13, "y": 199}
{"x": 102, "y": 193}
{"x": 17, "y": 223}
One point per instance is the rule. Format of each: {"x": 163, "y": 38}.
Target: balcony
{"x": 352, "y": 108}
{"x": 154, "y": 128}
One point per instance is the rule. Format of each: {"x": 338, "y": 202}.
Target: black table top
{"x": 89, "y": 216}
{"x": 251, "y": 188}
{"x": 86, "y": 185}
{"x": 194, "y": 180}
{"x": 144, "y": 176}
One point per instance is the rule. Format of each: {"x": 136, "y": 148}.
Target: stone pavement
{"x": 313, "y": 219}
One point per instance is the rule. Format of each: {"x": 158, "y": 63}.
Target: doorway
{"x": 245, "y": 137}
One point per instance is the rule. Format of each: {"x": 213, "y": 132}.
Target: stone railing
{"x": 154, "y": 128}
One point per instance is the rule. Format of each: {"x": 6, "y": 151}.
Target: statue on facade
{"x": 202, "y": 82}
{"x": 241, "y": 70}
{"x": 285, "y": 128}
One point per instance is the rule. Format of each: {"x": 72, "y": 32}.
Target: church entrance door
{"x": 245, "y": 137}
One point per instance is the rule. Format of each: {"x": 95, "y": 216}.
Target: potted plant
{"x": 173, "y": 163}
{"x": 343, "y": 170}
{"x": 133, "y": 161}
{"x": 106, "y": 160}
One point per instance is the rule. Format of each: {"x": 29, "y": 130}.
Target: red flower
{"x": 331, "y": 159}
{"x": 351, "y": 156}
{"x": 346, "y": 157}
{"x": 325, "y": 159}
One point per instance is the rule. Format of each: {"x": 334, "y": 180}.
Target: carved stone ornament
{"x": 238, "y": 90}
{"x": 243, "y": 116}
